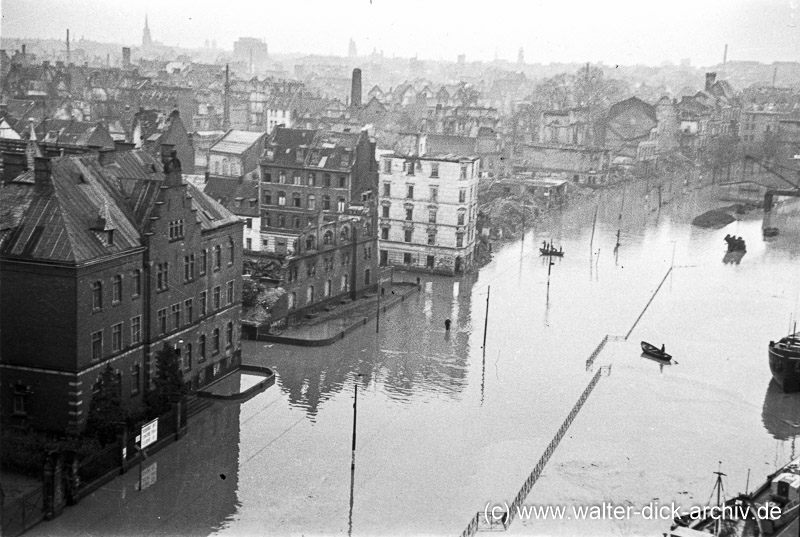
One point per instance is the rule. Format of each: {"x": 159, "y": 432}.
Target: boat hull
{"x": 655, "y": 352}
{"x": 785, "y": 368}
{"x": 551, "y": 253}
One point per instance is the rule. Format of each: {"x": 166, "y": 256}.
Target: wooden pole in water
{"x": 747, "y": 484}
{"x": 594, "y": 223}
{"x": 486, "y": 320}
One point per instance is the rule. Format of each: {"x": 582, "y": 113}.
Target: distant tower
{"x": 351, "y": 50}
{"x": 147, "y": 40}
{"x": 521, "y": 56}
{"x": 355, "y": 90}
{"x": 69, "y": 59}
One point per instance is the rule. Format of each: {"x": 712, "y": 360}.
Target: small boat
{"x": 655, "y": 352}
{"x": 771, "y": 232}
{"x": 784, "y": 362}
{"x": 551, "y": 252}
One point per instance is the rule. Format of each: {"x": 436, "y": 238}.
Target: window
{"x": 175, "y": 230}
{"x": 97, "y": 345}
{"x": 408, "y": 235}
{"x": 410, "y": 167}
{"x": 266, "y": 220}
{"x": 385, "y": 233}
{"x": 340, "y": 205}
{"x": 432, "y": 216}
{"x": 230, "y": 292}
{"x": 176, "y": 315}
{"x": 385, "y": 213}
{"x": 268, "y": 177}
{"x": 296, "y": 222}
{"x": 429, "y": 262}
{"x": 407, "y": 258}
{"x": 203, "y": 261}
{"x": 282, "y": 177}
{"x": 215, "y": 342}
{"x": 97, "y": 295}
{"x": 345, "y": 234}
{"x": 410, "y": 192}
{"x": 327, "y": 238}
{"x": 188, "y": 305}
{"x": 387, "y": 190}
{"x": 188, "y": 268}
{"x": 434, "y": 194}
{"x": 282, "y": 198}
{"x": 162, "y": 276}
{"x": 231, "y": 250}
{"x": 296, "y": 178}
{"x": 461, "y": 215}
{"x": 343, "y": 181}
{"x": 387, "y": 166}
{"x": 432, "y": 239}
{"x": 116, "y": 289}
{"x": 137, "y": 282}
{"x": 229, "y": 335}
{"x": 187, "y": 362}
{"x": 326, "y": 179}
{"x": 462, "y": 195}
{"x": 345, "y": 283}
{"x": 435, "y": 169}
{"x": 326, "y": 203}
{"x": 201, "y": 351}
{"x": 312, "y": 204}
{"x": 203, "y": 303}
{"x": 136, "y": 373}
{"x": 292, "y": 300}
{"x": 217, "y": 256}
{"x": 312, "y": 179}
{"x": 116, "y": 337}
{"x": 162, "y": 321}
{"x": 248, "y": 222}
{"x": 281, "y": 220}
{"x": 463, "y": 171}
{"x": 310, "y": 294}
{"x": 409, "y": 214}
{"x": 136, "y": 330}
{"x": 459, "y": 240}
{"x": 296, "y": 199}
{"x": 249, "y": 244}
{"x": 267, "y": 197}
{"x": 217, "y": 296}
{"x": 310, "y": 242}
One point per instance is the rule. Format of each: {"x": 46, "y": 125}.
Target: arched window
{"x": 345, "y": 283}
{"x": 187, "y": 362}
{"x": 201, "y": 352}
{"x": 267, "y": 197}
{"x": 281, "y": 220}
{"x": 327, "y": 288}
{"x": 327, "y": 238}
{"x": 340, "y": 205}
{"x": 310, "y": 294}
{"x": 296, "y": 222}
{"x": 312, "y": 179}
{"x": 281, "y": 198}
{"x": 326, "y": 203}
{"x": 345, "y": 233}
{"x": 296, "y": 199}
{"x": 217, "y": 168}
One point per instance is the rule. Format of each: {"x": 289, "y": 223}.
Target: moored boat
{"x": 655, "y": 352}
{"x": 549, "y": 252}
{"x": 784, "y": 362}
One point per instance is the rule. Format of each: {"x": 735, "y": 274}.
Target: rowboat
{"x": 655, "y": 352}
{"x": 553, "y": 253}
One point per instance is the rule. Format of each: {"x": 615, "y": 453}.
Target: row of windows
{"x": 306, "y": 179}
{"x": 297, "y": 201}
{"x": 432, "y": 214}
{"x": 227, "y": 168}
{"x": 311, "y": 295}
{"x": 415, "y": 167}
{"x": 181, "y": 315}
{"x": 433, "y": 193}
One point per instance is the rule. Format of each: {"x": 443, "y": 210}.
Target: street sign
{"x": 149, "y": 433}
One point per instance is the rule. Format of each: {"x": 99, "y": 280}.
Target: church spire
{"x": 147, "y": 40}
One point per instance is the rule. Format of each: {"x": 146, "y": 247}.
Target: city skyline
{"x": 612, "y": 32}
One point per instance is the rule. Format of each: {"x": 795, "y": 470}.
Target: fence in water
{"x": 481, "y": 520}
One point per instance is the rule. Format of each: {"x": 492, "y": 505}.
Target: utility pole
{"x": 353, "y": 459}
{"x": 226, "y": 107}
{"x": 486, "y": 320}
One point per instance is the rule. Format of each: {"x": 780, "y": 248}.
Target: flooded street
{"x": 445, "y": 428}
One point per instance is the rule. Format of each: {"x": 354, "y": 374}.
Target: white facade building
{"x": 428, "y": 210}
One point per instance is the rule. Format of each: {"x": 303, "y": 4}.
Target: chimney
{"x": 710, "y": 79}
{"x": 13, "y": 165}
{"x": 355, "y": 90}
{"x": 126, "y": 57}
{"x": 42, "y": 173}
{"x": 172, "y": 166}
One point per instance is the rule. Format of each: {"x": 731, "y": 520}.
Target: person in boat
{"x": 544, "y": 245}
{"x": 447, "y": 325}
{"x": 560, "y": 249}
{"x": 662, "y": 348}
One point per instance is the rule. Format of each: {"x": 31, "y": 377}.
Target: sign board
{"x": 149, "y": 433}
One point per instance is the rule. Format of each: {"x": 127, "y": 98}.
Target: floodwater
{"x": 445, "y": 428}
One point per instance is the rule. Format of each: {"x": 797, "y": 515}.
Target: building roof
{"x": 237, "y": 142}
{"x": 238, "y": 195}
{"x": 312, "y": 148}
{"x": 66, "y": 221}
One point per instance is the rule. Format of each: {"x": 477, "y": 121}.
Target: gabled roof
{"x": 237, "y": 142}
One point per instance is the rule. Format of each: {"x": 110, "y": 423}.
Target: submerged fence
{"x": 475, "y": 524}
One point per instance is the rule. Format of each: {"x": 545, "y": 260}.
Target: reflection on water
{"x": 412, "y": 354}
{"x": 781, "y": 412}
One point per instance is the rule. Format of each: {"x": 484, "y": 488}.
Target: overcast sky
{"x": 611, "y": 31}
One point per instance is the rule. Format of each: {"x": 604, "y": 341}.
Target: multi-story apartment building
{"x": 104, "y": 259}
{"x": 428, "y": 207}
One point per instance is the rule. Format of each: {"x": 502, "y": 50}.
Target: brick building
{"x": 104, "y": 259}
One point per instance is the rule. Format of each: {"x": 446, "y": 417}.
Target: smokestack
{"x": 226, "y": 111}
{"x": 355, "y": 90}
{"x": 68, "y": 56}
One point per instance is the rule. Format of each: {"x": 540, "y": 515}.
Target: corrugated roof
{"x": 237, "y": 142}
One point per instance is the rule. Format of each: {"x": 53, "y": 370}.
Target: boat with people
{"x": 784, "y": 362}
{"x": 735, "y": 244}
{"x": 655, "y": 352}
{"x": 548, "y": 249}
